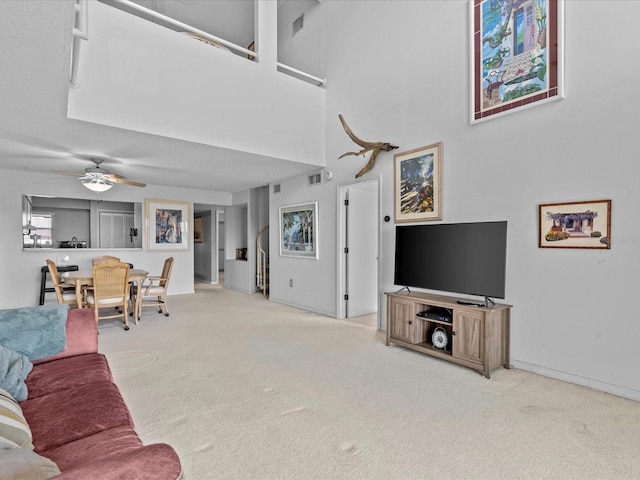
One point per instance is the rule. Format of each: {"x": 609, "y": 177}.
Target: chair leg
{"x": 125, "y": 316}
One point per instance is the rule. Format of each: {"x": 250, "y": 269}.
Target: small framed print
{"x": 418, "y": 184}
{"x": 575, "y": 225}
{"x": 197, "y": 230}
{"x": 168, "y": 224}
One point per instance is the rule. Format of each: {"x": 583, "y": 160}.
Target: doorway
{"x": 208, "y": 243}
{"x": 202, "y": 246}
{"x": 359, "y": 239}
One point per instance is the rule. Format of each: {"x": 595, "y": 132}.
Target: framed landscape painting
{"x": 516, "y": 55}
{"x": 167, "y": 224}
{"x": 575, "y": 225}
{"x": 299, "y": 230}
{"x": 418, "y": 184}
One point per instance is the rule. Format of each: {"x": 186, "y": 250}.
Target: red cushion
{"x": 88, "y": 449}
{"x": 82, "y": 335}
{"x": 65, "y": 416}
{"x": 66, "y": 373}
{"x": 157, "y": 461}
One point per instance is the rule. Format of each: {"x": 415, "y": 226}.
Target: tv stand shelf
{"x": 476, "y": 336}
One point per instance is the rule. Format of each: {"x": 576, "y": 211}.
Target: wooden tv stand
{"x": 478, "y": 337}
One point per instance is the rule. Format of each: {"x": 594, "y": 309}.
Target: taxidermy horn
{"x": 374, "y": 147}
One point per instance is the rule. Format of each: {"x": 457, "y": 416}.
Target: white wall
{"x": 303, "y": 50}
{"x": 143, "y": 77}
{"x": 20, "y": 279}
{"x": 400, "y": 73}
{"x": 237, "y": 273}
{"x": 313, "y": 279}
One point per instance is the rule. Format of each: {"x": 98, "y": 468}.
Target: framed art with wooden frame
{"x": 168, "y": 224}
{"x": 417, "y": 184}
{"x": 575, "y": 225}
{"x": 299, "y": 230}
{"x": 516, "y": 55}
{"x": 197, "y": 230}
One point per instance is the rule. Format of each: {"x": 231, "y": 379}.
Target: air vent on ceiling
{"x": 298, "y": 23}
{"x": 276, "y": 188}
{"x": 313, "y": 179}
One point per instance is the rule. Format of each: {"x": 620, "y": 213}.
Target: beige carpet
{"x": 244, "y": 388}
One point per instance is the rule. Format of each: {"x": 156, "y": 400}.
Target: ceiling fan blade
{"x": 118, "y": 179}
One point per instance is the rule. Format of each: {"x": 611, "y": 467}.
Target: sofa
{"x": 79, "y": 424}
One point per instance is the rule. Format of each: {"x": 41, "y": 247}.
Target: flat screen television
{"x": 467, "y": 258}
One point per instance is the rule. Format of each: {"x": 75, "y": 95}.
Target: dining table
{"x": 85, "y": 277}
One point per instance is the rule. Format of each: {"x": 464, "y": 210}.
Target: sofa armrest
{"x": 82, "y": 335}
{"x": 157, "y": 461}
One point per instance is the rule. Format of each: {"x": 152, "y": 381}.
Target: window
{"x": 41, "y": 236}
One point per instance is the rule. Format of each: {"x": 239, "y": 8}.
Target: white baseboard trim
{"x": 617, "y": 390}
{"x": 302, "y": 307}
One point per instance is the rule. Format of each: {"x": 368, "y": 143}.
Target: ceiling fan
{"x": 100, "y": 179}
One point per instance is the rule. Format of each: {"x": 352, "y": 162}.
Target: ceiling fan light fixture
{"x": 97, "y": 184}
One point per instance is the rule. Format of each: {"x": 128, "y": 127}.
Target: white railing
{"x": 262, "y": 264}
{"x": 80, "y": 32}
{"x": 188, "y": 28}
{"x": 305, "y": 76}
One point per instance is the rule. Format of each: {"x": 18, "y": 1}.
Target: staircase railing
{"x": 262, "y": 264}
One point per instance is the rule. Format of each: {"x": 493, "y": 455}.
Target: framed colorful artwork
{"x": 197, "y": 230}
{"x": 516, "y": 55}
{"x": 167, "y": 224}
{"x": 417, "y": 184}
{"x": 299, "y": 230}
{"x": 575, "y": 225}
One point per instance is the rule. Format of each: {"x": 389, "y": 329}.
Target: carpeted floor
{"x": 244, "y": 388}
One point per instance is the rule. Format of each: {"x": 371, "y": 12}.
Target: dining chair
{"x": 154, "y": 293}
{"x": 110, "y": 289}
{"x": 103, "y": 259}
{"x": 98, "y": 261}
{"x": 64, "y": 293}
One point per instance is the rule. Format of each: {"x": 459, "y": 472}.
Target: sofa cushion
{"x": 14, "y": 368}
{"x": 155, "y": 461}
{"x": 13, "y": 424}
{"x": 88, "y": 449}
{"x": 67, "y": 373}
{"x": 65, "y": 416}
{"x": 82, "y": 335}
{"x": 24, "y": 464}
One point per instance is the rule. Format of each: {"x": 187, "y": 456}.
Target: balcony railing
{"x": 212, "y": 39}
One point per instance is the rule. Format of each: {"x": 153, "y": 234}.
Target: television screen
{"x": 468, "y": 258}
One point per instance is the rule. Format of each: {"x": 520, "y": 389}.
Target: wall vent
{"x": 298, "y": 23}
{"x": 276, "y": 188}
{"x": 313, "y": 179}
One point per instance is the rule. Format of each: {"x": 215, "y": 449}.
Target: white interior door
{"x": 362, "y": 246}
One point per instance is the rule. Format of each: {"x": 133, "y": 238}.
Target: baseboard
{"x": 617, "y": 390}
{"x": 302, "y": 307}
{"x": 237, "y": 289}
